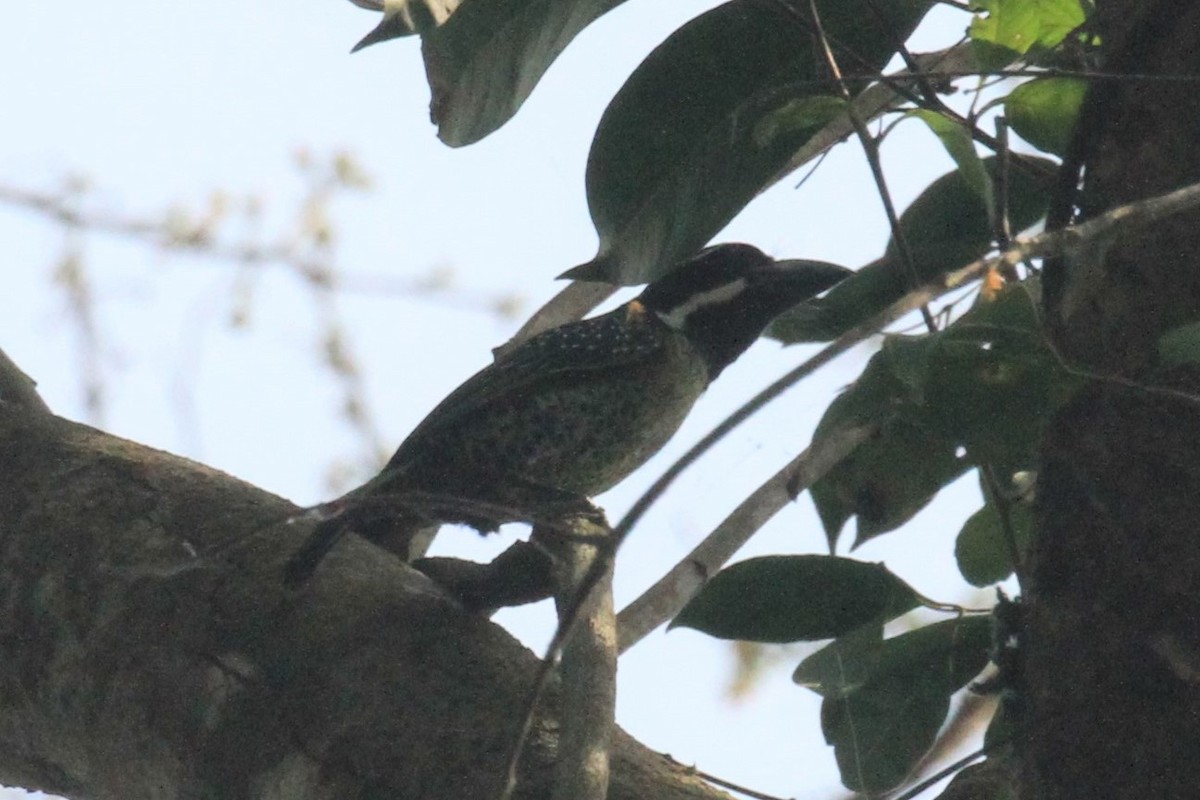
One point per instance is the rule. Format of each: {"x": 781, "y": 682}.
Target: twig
{"x": 871, "y": 150}
{"x": 870, "y": 103}
{"x": 1124, "y": 218}
{"x": 199, "y": 239}
{"x": 670, "y": 594}
{"x": 754, "y": 794}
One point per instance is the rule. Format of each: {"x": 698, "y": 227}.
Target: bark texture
{"x": 1111, "y": 701}
{"x": 149, "y": 650}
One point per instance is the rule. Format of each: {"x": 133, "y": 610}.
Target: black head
{"x": 724, "y": 298}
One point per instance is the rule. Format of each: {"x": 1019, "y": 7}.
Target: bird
{"x": 570, "y": 412}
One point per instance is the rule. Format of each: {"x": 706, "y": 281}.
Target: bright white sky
{"x": 161, "y": 103}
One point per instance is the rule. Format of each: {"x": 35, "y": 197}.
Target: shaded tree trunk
{"x": 1111, "y": 704}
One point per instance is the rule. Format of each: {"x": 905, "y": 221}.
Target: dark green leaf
{"x": 888, "y": 479}
{"x": 702, "y": 126}
{"x": 979, "y": 391}
{"x": 961, "y": 147}
{"x": 882, "y": 730}
{"x": 946, "y": 227}
{"x": 993, "y": 382}
{"x": 799, "y": 118}
{"x": 485, "y": 60}
{"x": 983, "y": 555}
{"x": 1043, "y": 112}
{"x": 843, "y": 665}
{"x": 795, "y": 598}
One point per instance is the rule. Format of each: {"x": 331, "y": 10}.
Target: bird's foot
{"x": 521, "y": 574}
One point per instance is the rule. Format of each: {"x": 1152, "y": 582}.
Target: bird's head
{"x": 724, "y": 298}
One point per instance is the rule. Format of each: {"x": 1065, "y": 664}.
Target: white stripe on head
{"x": 677, "y": 317}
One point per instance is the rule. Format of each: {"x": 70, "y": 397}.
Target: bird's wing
{"x": 627, "y": 335}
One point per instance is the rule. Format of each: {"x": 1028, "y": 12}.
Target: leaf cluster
{"x": 741, "y": 97}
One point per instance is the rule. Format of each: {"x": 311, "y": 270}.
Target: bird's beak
{"x": 793, "y": 281}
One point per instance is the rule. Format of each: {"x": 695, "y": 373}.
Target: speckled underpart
{"x": 574, "y": 410}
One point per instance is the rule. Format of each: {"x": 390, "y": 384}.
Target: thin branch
{"x": 871, "y": 149}
{"x": 1122, "y": 219}
{"x": 198, "y": 238}
{"x": 667, "y": 597}
{"x": 753, "y": 794}
{"x": 941, "y": 775}
{"x": 870, "y": 103}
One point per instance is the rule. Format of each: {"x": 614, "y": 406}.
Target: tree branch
{"x": 18, "y": 390}
{"x": 667, "y": 597}
{"x": 148, "y": 647}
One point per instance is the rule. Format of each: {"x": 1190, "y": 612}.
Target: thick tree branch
{"x": 148, "y": 648}
{"x": 18, "y": 389}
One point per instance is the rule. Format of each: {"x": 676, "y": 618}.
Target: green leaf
{"x": 1180, "y": 345}
{"x": 713, "y": 116}
{"x": 994, "y": 382}
{"x": 946, "y": 227}
{"x": 795, "y": 598}
{"x": 886, "y": 481}
{"x": 961, "y": 147}
{"x": 882, "y": 730}
{"x": 891, "y": 477}
{"x": 979, "y": 391}
{"x": 484, "y": 61}
{"x": 843, "y": 665}
{"x": 1018, "y": 26}
{"x": 1043, "y": 112}
{"x": 983, "y": 556}
{"x": 799, "y": 118}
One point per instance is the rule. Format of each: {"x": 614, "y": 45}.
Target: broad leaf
{"x": 843, "y": 665}
{"x": 961, "y": 147}
{"x": 886, "y": 481}
{"x": 983, "y": 554}
{"x": 484, "y": 61}
{"x": 891, "y": 477}
{"x": 711, "y": 118}
{"x": 979, "y": 391}
{"x": 796, "y": 598}
{"x": 1043, "y": 112}
{"x": 993, "y": 381}
{"x": 1015, "y": 27}
{"x": 882, "y": 730}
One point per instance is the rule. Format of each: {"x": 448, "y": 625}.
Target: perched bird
{"x": 570, "y": 412}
